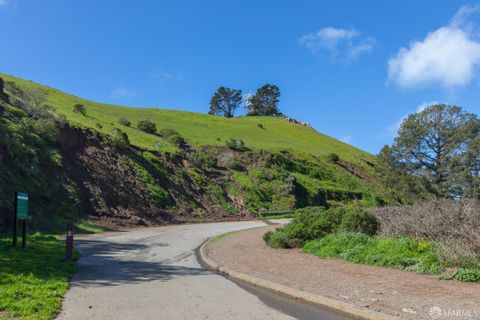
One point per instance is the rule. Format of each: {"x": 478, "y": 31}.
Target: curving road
{"x": 153, "y": 273}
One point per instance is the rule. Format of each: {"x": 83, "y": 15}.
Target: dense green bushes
{"x": 120, "y": 139}
{"x": 147, "y": 126}
{"x": 317, "y": 222}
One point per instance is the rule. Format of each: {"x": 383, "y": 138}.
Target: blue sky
{"x": 352, "y": 69}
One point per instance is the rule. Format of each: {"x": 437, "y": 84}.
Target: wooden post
{"x": 14, "y": 240}
{"x": 69, "y": 242}
{"x": 24, "y": 233}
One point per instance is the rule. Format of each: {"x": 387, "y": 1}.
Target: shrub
{"x": 120, "y": 139}
{"x": 80, "y": 108}
{"x": 260, "y": 126}
{"x": 98, "y": 126}
{"x": 317, "y": 222}
{"x": 202, "y": 159}
{"x": 235, "y": 144}
{"x": 358, "y": 220}
{"x": 124, "y": 122}
{"x": 168, "y": 133}
{"x": 453, "y": 222}
{"x": 147, "y": 126}
{"x": 176, "y": 140}
{"x": 233, "y": 164}
{"x": 333, "y": 157}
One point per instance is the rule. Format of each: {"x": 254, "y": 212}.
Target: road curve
{"x": 153, "y": 273}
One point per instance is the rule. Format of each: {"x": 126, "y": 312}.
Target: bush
{"x": 168, "y": 133}
{"x": 202, "y": 159}
{"x": 317, "y": 222}
{"x": 455, "y": 223}
{"x": 260, "y": 126}
{"x": 333, "y": 157}
{"x": 147, "y": 126}
{"x": 176, "y": 140}
{"x": 80, "y": 108}
{"x": 98, "y": 126}
{"x": 233, "y": 164}
{"x": 124, "y": 122}
{"x": 235, "y": 144}
{"x": 359, "y": 220}
{"x": 120, "y": 139}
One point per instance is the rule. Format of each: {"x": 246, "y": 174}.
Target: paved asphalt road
{"x": 153, "y": 273}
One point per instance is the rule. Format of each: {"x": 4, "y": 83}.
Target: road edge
{"x": 295, "y": 294}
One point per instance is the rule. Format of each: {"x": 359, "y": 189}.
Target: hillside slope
{"x": 81, "y": 171}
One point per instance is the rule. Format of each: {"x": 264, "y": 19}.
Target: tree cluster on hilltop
{"x": 264, "y": 102}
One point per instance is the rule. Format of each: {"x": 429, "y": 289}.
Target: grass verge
{"x": 33, "y": 280}
{"x": 400, "y": 253}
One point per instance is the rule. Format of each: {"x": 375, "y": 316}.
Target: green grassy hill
{"x": 199, "y": 129}
{"x": 76, "y": 169}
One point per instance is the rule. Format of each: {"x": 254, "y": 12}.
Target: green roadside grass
{"x": 399, "y": 253}
{"x": 33, "y": 280}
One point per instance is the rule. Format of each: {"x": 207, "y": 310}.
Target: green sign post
{"x": 20, "y": 213}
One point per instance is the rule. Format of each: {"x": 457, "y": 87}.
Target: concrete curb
{"x": 295, "y": 294}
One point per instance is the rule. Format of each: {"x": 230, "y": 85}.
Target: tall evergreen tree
{"x": 264, "y": 102}
{"x": 439, "y": 145}
{"x": 225, "y": 101}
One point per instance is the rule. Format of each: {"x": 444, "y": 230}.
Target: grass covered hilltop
{"x": 190, "y": 167}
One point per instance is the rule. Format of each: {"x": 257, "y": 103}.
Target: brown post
{"x": 14, "y": 238}
{"x": 69, "y": 242}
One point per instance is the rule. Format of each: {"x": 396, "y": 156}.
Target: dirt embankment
{"x": 117, "y": 187}
{"x": 399, "y": 293}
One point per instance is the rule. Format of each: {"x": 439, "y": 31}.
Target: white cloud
{"x": 393, "y": 128}
{"x": 3, "y": 3}
{"x": 448, "y": 56}
{"x": 162, "y": 75}
{"x": 346, "y": 138}
{"x": 341, "y": 44}
{"x": 122, "y": 93}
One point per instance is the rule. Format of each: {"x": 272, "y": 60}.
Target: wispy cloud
{"x": 340, "y": 44}
{"x": 448, "y": 56}
{"x": 392, "y": 129}
{"x": 161, "y": 75}
{"x": 3, "y": 3}
{"x": 122, "y": 93}
{"x": 346, "y": 138}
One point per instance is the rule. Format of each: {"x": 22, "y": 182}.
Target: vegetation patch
{"x": 33, "y": 280}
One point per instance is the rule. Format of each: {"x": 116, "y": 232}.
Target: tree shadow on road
{"x": 103, "y": 264}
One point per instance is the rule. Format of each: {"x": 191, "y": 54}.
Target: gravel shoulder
{"x": 394, "y": 292}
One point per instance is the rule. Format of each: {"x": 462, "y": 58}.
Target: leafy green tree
{"x": 225, "y": 101}
{"x": 80, "y": 108}
{"x": 433, "y": 145}
{"x": 147, "y": 126}
{"x": 264, "y": 102}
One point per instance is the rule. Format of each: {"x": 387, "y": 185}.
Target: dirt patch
{"x": 394, "y": 292}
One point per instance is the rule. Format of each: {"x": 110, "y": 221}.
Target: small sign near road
{"x": 20, "y": 212}
{"x": 22, "y": 205}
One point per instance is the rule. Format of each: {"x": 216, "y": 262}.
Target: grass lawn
{"x": 33, "y": 280}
